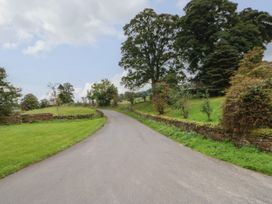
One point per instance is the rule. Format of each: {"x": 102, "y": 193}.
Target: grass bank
{"x": 63, "y": 110}
{"x": 22, "y": 145}
{"x": 247, "y": 156}
{"x": 195, "y": 113}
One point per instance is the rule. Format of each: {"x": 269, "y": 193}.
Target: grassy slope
{"x": 22, "y": 145}
{"x": 247, "y": 157}
{"x": 194, "y": 111}
{"x": 63, "y": 110}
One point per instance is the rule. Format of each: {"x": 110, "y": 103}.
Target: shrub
{"x": 29, "y": 102}
{"x": 160, "y": 97}
{"x": 130, "y": 96}
{"x": 248, "y": 101}
{"x": 180, "y": 100}
{"x": 44, "y": 103}
{"x": 206, "y": 106}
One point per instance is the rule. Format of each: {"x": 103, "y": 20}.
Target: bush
{"x": 29, "y": 102}
{"x": 206, "y": 106}
{"x": 130, "y": 96}
{"x": 179, "y": 98}
{"x": 248, "y": 102}
{"x": 103, "y": 92}
{"x": 160, "y": 97}
{"x": 44, "y": 103}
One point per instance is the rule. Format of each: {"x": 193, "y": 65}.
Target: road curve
{"x": 128, "y": 163}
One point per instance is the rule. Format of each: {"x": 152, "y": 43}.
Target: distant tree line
{"x": 10, "y": 96}
{"x": 58, "y": 94}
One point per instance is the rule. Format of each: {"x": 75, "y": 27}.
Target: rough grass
{"x": 247, "y": 157}
{"x": 195, "y": 113}
{"x": 22, "y": 145}
{"x": 64, "y": 110}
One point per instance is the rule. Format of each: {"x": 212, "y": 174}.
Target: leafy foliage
{"x": 180, "y": 98}
{"x": 44, "y": 103}
{"x": 202, "y": 25}
{"x": 160, "y": 97}
{"x": 29, "y": 102}
{"x": 262, "y": 20}
{"x": 66, "y": 93}
{"x": 8, "y": 95}
{"x": 215, "y": 36}
{"x": 249, "y": 100}
{"x": 130, "y": 96}
{"x": 143, "y": 94}
{"x": 53, "y": 94}
{"x": 148, "y": 53}
{"x": 103, "y": 92}
{"x": 206, "y": 106}
{"x": 218, "y": 69}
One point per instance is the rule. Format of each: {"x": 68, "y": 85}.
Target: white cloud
{"x": 36, "y": 48}
{"x": 116, "y": 80}
{"x": 38, "y": 25}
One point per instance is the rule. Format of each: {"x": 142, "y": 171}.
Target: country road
{"x": 128, "y": 163}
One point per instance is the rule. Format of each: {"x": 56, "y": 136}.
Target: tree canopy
{"x": 29, "y": 102}
{"x": 66, "y": 93}
{"x": 215, "y": 36}
{"x": 148, "y": 54}
{"x": 103, "y": 92}
{"x": 8, "y": 94}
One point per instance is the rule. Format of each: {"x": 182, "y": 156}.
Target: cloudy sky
{"x": 76, "y": 41}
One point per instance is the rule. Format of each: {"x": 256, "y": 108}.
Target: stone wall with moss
{"x": 261, "y": 138}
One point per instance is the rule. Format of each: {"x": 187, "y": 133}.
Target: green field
{"x": 64, "y": 110}
{"x": 247, "y": 156}
{"x": 195, "y": 113}
{"x": 22, "y": 145}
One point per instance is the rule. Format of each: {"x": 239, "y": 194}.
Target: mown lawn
{"x": 248, "y": 157}
{"x": 195, "y": 113}
{"x": 22, "y": 145}
{"x": 64, "y": 110}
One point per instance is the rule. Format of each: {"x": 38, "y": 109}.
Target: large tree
{"x": 262, "y": 20}
{"x": 202, "y": 25}
{"x": 103, "y": 92}
{"x": 8, "y": 94}
{"x": 148, "y": 53}
{"x": 215, "y": 36}
{"x": 66, "y": 93}
{"x": 29, "y": 102}
{"x": 217, "y": 70}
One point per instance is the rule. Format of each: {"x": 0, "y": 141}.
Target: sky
{"x": 76, "y": 41}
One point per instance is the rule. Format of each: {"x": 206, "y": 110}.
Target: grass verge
{"x": 64, "y": 110}
{"x": 246, "y": 157}
{"x": 22, "y": 145}
{"x": 195, "y": 113}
